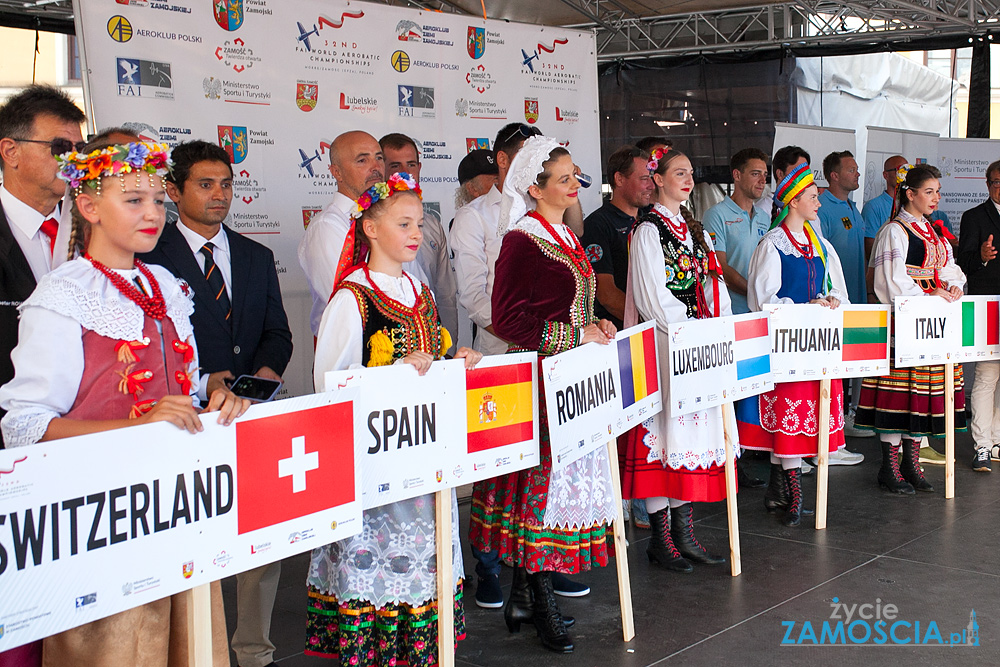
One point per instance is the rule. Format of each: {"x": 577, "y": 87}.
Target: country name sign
{"x": 809, "y": 341}
{"x": 716, "y": 361}
{"x": 94, "y": 525}
{"x": 594, "y": 393}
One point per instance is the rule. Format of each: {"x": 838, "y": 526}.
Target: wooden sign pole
{"x": 621, "y": 547}
{"x": 731, "y": 505}
{"x": 445, "y": 579}
{"x": 949, "y": 430}
{"x": 823, "y": 453}
{"x": 199, "y": 626}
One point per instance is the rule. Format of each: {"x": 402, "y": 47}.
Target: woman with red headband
{"x": 792, "y": 265}
{"x": 911, "y": 257}
{"x": 674, "y": 276}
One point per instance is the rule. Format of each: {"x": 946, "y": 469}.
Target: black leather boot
{"x": 795, "y": 511}
{"x": 661, "y": 549}
{"x": 547, "y": 618}
{"x": 776, "y": 496}
{"x": 889, "y": 477}
{"x": 518, "y": 608}
{"x": 909, "y": 467}
{"x": 682, "y": 532}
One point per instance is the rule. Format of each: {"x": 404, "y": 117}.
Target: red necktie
{"x": 50, "y": 228}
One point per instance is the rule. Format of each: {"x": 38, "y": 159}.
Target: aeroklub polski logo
{"x": 875, "y": 624}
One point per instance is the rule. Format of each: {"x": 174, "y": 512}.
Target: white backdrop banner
{"x": 809, "y": 341}
{"x": 963, "y": 165}
{"x": 275, "y": 82}
{"x": 817, "y": 141}
{"x": 98, "y": 524}
{"x": 884, "y": 143}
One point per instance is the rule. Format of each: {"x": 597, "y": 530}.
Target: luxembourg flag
{"x": 752, "y": 348}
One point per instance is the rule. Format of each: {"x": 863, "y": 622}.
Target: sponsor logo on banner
{"x": 236, "y": 55}
{"x": 546, "y": 69}
{"x": 1, "y": 630}
{"x": 187, "y": 569}
{"x": 438, "y": 475}
{"x": 259, "y": 548}
{"x": 167, "y": 135}
{"x": 416, "y": 101}
{"x": 409, "y": 31}
{"x": 306, "y": 95}
{"x": 564, "y": 115}
{"x": 127, "y": 588}
{"x": 228, "y": 13}
{"x": 86, "y": 600}
{"x": 400, "y": 61}
{"x": 144, "y": 78}
{"x": 383, "y": 487}
{"x": 301, "y": 535}
{"x": 476, "y": 42}
{"x": 248, "y": 189}
{"x": 363, "y": 104}
{"x": 434, "y": 150}
{"x": 322, "y": 45}
{"x": 307, "y": 215}
{"x": 479, "y": 79}
{"x": 294, "y": 465}
{"x": 212, "y": 87}
{"x": 479, "y": 109}
{"x": 184, "y": 9}
{"x": 119, "y": 28}
{"x": 140, "y": 585}
{"x": 235, "y": 140}
{"x": 476, "y": 143}
{"x": 531, "y": 109}
{"x": 239, "y": 92}
{"x": 222, "y": 559}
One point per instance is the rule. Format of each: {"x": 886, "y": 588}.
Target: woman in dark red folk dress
{"x": 542, "y": 520}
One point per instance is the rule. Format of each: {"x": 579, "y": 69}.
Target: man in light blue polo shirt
{"x": 877, "y": 210}
{"x": 736, "y": 225}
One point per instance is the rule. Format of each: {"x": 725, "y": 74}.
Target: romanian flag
{"x": 980, "y": 323}
{"x": 866, "y": 335}
{"x": 752, "y": 348}
{"x": 637, "y": 366}
{"x": 499, "y": 406}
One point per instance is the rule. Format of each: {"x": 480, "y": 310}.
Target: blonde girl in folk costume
{"x": 539, "y": 520}
{"x": 373, "y": 597}
{"x": 792, "y": 264}
{"x": 674, "y": 276}
{"x": 105, "y": 342}
{"x": 911, "y": 257}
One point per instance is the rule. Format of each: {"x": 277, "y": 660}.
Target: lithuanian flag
{"x": 866, "y": 335}
{"x": 637, "y": 366}
{"x": 499, "y": 406}
{"x": 980, "y": 323}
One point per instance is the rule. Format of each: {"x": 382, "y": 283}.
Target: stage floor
{"x": 935, "y": 560}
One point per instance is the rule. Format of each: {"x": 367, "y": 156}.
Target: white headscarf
{"x": 524, "y": 170}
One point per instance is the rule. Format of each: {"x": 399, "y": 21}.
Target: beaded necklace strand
{"x": 154, "y": 305}
{"x": 576, "y": 253}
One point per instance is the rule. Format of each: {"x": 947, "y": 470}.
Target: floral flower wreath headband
{"x": 80, "y": 169}
{"x": 901, "y": 174}
{"x": 654, "y": 159}
{"x": 400, "y": 182}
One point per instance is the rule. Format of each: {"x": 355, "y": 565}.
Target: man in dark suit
{"x": 239, "y": 325}
{"x": 976, "y": 255}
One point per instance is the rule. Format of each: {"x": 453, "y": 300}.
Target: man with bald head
{"x": 876, "y": 211}
{"x": 356, "y": 161}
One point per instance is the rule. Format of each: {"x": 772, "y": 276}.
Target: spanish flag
{"x": 866, "y": 335}
{"x": 499, "y": 406}
{"x": 637, "y": 366}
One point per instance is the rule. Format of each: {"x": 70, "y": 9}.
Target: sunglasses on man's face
{"x": 58, "y": 146}
{"x": 525, "y": 131}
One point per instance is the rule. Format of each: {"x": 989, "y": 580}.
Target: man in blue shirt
{"x": 844, "y": 228}
{"x": 877, "y": 210}
{"x": 736, "y": 225}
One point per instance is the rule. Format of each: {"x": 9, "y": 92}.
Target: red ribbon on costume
{"x": 185, "y": 350}
{"x": 942, "y": 230}
{"x": 184, "y": 380}
{"x": 126, "y": 350}
{"x": 141, "y": 408}
{"x": 131, "y": 382}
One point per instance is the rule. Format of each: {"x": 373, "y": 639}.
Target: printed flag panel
{"x": 751, "y": 348}
{"x": 637, "y": 366}
{"x": 866, "y": 335}
{"x": 499, "y": 406}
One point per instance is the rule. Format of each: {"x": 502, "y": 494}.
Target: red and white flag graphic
{"x": 294, "y": 464}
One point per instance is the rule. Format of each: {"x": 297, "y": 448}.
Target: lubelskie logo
{"x": 228, "y": 13}
{"x": 874, "y": 624}
{"x": 235, "y": 140}
{"x": 476, "y": 42}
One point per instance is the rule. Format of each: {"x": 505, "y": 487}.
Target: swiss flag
{"x": 294, "y": 464}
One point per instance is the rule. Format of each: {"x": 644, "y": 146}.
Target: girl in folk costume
{"x": 673, "y": 276}
{"x": 372, "y": 598}
{"x": 912, "y": 258}
{"x": 542, "y": 520}
{"x": 105, "y": 342}
{"x": 792, "y": 265}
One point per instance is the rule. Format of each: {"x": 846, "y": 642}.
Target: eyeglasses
{"x": 57, "y": 146}
{"x": 524, "y": 130}
{"x": 993, "y": 183}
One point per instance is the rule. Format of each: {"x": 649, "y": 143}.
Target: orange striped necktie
{"x": 215, "y": 282}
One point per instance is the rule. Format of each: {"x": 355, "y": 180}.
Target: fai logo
{"x": 400, "y": 61}
{"x": 235, "y": 141}
{"x": 531, "y": 109}
{"x": 119, "y": 29}
{"x": 476, "y": 143}
{"x": 228, "y": 13}
{"x": 144, "y": 78}
{"x": 306, "y": 95}
{"x": 476, "y": 42}
{"x": 416, "y": 101}
{"x": 408, "y": 31}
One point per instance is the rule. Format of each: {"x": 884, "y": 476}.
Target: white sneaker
{"x": 852, "y": 431}
{"x": 842, "y": 457}
{"x": 806, "y": 467}
{"x": 995, "y": 452}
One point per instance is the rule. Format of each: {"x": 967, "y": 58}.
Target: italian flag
{"x": 980, "y": 323}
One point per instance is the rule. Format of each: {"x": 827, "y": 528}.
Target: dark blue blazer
{"x": 17, "y": 282}
{"x": 259, "y": 335}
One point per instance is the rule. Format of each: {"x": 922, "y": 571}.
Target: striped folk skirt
{"x": 910, "y": 401}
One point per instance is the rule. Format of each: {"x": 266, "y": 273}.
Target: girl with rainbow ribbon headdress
{"x": 792, "y": 264}
{"x": 911, "y": 257}
{"x": 373, "y": 597}
{"x": 106, "y": 342}
{"x": 542, "y": 520}
{"x": 673, "y": 276}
